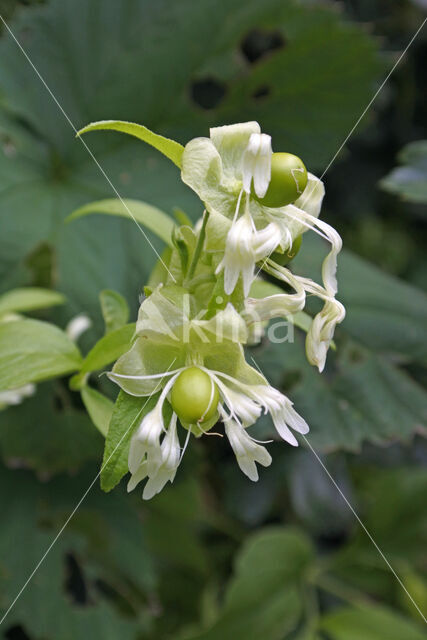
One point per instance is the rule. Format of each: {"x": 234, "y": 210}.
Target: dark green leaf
{"x": 262, "y": 600}
{"x": 47, "y": 434}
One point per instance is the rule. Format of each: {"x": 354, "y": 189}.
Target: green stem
{"x": 199, "y": 247}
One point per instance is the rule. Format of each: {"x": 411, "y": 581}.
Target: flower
{"x": 246, "y": 449}
{"x": 221, "y": 170}
{"x": 167, "y": 458}
{"x": 158, "y": 357}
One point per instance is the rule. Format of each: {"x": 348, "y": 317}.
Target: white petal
{"x": 262, "y": 173}
{"x": 247, "y": 451}
{"x": 135, "y": 479}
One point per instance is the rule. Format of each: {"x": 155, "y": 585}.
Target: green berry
{"x": 194, "y": 396}
{"x": 288, "y": 180}
{"x": 287, "y": 256}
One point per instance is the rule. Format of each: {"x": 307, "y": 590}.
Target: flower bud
{"x": 194, "y": 396}
{"x": 288, "y": 180}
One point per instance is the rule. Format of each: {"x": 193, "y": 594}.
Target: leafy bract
{"x": 171, "y": 149}
{"x": 138, "y": 212}
{"x": 31, "y": 351}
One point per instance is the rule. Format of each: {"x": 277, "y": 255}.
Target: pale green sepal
{"x": 152, "y": 218}
{"x": 226, "y": 325}
{"x": 146, "y": 358}
{"x": 171, "y": 149}
{"x": 231, "y": 141}
{"x": 230, "y": 359}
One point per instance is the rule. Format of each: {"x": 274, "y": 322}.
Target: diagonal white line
{"x": 40, "y": 562}
{"x": 356, "y": 516}
{"x": 364, "y": 528}
{"x": 380, "y": 88}
{"x": 52, "y": 95}
{"x": 358, "y": 121}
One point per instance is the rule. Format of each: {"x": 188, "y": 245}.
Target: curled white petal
{"x": 146, "y": 439}
{"x": 166, "y": 469}
{"x": 239, "y": 257}
{"x": 246, "y": 450}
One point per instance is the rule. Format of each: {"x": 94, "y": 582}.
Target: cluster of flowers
{"x": 198, "y": 312}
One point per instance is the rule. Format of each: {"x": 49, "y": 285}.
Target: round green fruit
{"x": 288, "y": 180}
{"x": 194, "y": 396}
{"x": 287, "y": 256}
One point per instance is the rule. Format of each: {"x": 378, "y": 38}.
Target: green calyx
{"x": 194, "y": 396}
{"x": 288, "y": 180}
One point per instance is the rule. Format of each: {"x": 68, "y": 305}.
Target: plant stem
{"x": 199, "y": 246}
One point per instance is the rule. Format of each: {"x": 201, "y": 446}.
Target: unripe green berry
{"x": 288, "y": 180}
{"x": 194, "y": 396}
{"x": 287, "y": 256}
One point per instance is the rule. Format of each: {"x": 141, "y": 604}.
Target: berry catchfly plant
{"x": 208, "y": 300}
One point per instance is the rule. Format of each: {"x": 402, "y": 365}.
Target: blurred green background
{"x": 215, "y": 557}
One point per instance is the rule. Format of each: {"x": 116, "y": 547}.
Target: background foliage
{"x": 215, "y": 557}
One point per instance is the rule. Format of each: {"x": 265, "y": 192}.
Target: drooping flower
{"x": 155, "y": 362}
{"x": 230, "y": 172}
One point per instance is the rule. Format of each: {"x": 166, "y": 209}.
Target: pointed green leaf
{"x": 141, "y": 212}
{"x": 171, "y": 149}
{"x": 31, "y": 351}
{"x": 99, "y": 408}
{"x": 115, "y": 309}
{"x": 109, "y": 348}
{"x": 127, "y": 414}
{"x": 28, "y": 299}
